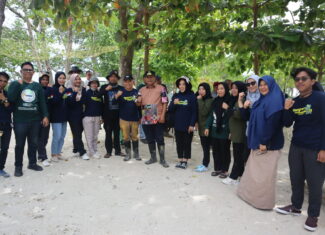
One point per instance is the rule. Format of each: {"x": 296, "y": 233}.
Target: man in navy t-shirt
{"x": 129, "y": 117}
{"x": 307, "y": 150}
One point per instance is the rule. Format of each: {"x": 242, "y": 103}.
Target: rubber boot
{"x": 153, "y": 157}
{"x": 135, "y": 146}
{"x": 127, "y": 146}
{"x": 161, "y": 149}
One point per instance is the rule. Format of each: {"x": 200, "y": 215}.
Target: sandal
{"x": 215, "y": 173}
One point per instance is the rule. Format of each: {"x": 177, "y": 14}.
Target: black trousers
{"x": 154, "y": 133}
{"x": 239, "y": 160}
{"x": 303, "y": 166}
{"x": 206, "y": 144}
{"x": 26, "y": 131}
{"x": 77, "y": 129}
{"x": 221, "y": 154}
{"x": 4, "y": 143}
{"x": 112, "y": 126}
{"x": 183, "y": 144}
{"x": 43, "y": 137}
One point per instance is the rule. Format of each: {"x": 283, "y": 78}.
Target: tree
{"x": 2, "y": 14}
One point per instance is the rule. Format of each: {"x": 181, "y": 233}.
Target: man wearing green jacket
{"x": 30, "y": 112}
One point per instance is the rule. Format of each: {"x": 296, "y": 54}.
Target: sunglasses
{"x": 297, "y": 79}
{"x": 248, "y": 84}
{"x": 27, "y": 70}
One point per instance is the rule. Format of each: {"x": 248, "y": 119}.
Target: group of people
{"x": 249, "y": 114}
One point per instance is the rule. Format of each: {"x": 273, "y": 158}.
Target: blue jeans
{"x": 59, "y": 131}
{"x": 23, "y": 131}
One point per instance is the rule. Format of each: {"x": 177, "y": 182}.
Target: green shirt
{"x": 29, "y": 101}
{"x": 237, "y": 126}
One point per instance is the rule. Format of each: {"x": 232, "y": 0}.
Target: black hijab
{"x": 217, "y": 105}
{"x": 241, "y": 86}
{"x": 207, "y": 89}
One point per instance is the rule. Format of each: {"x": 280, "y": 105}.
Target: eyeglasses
{"x": 297, "y": 79}
{"x": 248, "y": 84}
{"x": 28, "y": 70}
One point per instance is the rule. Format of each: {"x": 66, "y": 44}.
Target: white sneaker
{"x": 46, "y": 163}
{"x": 54, "y": 159}
{"x": 96, "y": 156}
{"x": 76, "y": 155}
{"x": 85, "y": 157}
{"x": 230, "y": 181}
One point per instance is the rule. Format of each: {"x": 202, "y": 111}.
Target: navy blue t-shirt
{"x": 129, "y": 111}
{"x": 308, "y": 115}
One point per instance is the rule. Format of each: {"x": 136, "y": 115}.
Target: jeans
{"x": 154, "y": 133}
{"x": 42, "y": 142}
{"x": 4, "y": 143}
{"x": 77, "y": 129}
{"x": 112, "y": 125}
{"x": 23, "y": 131}
{"x": 59, "y": 131}
{"x": 303, "y": 166}
{"x": 183, "y": 144}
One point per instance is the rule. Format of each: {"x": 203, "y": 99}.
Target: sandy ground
{"x": 109, "y": 196}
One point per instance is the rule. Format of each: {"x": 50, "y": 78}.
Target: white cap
{"x": 253, "y": 76}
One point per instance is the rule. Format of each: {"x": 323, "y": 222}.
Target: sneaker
{"x": 85, "y": 157}
{"x": 18, "y": 171}
{"x": 4, "y": 174}
{"x": 76, "y": 155}
{"x": 120, "y": 154}
{"x": 230, "y": 181}
{"x": 311, "y": 224}
{"x": 54, "y": 159}
{"x": 35, "y": 167}
{"x": 201, "y": 169}
{"x": 107, "y": 155}
{"x": 178, "y": 165}
{"x": 183, "y": 165}
{"x": 63, "y": 158}
{"x": 286, "y": 210}
{"x": 96, "y": 156}
{"x": 46, "y": 163}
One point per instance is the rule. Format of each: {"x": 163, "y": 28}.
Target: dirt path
{"x": 109, "y": 196}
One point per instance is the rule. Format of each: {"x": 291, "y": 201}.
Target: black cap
{"x": 113, "y": 72}
{"x": 128, "y": 78}
{"x": 149, "y": 73}
{"x": 75, "y": 69}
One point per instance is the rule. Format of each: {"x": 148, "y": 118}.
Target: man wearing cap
{"x": 129, "y": 117}
{"x": 153, "y": 100}
{"x": 111, "y": 114}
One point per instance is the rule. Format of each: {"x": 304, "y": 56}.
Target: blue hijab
{"x": 263, "y": 109}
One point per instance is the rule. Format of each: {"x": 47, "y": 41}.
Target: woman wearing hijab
{"x": 75, "y": 113}
{"x": 184, "y": 107}
{"x": 253, "y": 93}
{"x": 265, "y": 139}
{"x": 59, "y": 115}
{"x": 237, "y": 127}
{"x": 204, "y": 100}
{"x": 217, "y": 127}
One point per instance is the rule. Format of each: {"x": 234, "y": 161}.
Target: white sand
{"x": 110, "y": 196}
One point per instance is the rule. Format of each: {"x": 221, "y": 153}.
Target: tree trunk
{"x": 68, "y": 48}
{"x": 321, "y": 70}
{"x": 2, "y": 14}
{"x": 256, "y": 61}
{"x": 146, "y": 48}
